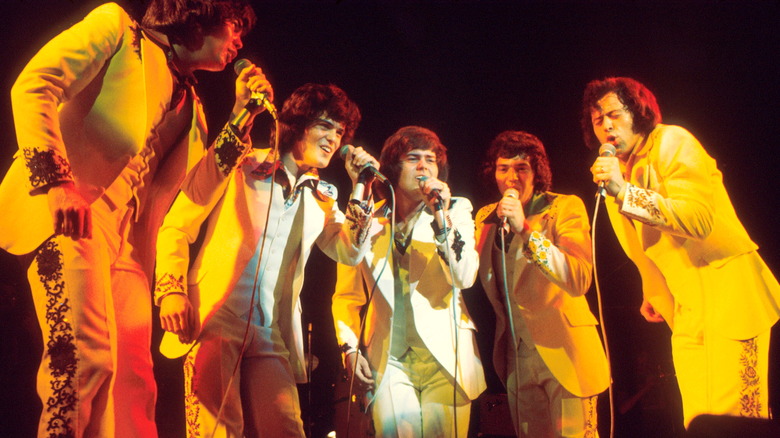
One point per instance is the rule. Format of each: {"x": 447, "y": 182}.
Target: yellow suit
{"x": 548, "y": 281}
{"x": 94, "y": 106}
{"x": 699, "y": 268}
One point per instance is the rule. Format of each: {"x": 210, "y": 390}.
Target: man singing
{"x": 108, "y": 123}
{"x": 700, "y": 271}
{"x": 418, "y": 352}
{"x": 234, "y": 309}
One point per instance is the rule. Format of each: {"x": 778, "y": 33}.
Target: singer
{"x": 700, "y": 271}
{"x": 108, "y": 124}
{"x": 409, "y": 364}
{"x": 234, "y": 312}
{"x": 558, "y": 357}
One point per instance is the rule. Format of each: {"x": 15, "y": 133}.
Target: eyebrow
{"x": 422, "y": 154}
{"x": 329, "y": 122}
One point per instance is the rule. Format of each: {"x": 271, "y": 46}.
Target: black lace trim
{"x": 60, "y": 347}
{"x": 228, "y": 150}
{"x": 46, "y": 167}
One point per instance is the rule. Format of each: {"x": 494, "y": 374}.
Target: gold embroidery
{"x": 538, "y": 251}
{"x": 591, "y": 424}
{"x": 750, "y": 396}
{"x": 191, "y": 403}
{"x": 642, "y": 199}
{"x": 167, "y": 284}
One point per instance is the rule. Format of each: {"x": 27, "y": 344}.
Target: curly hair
{"x": 510, "y": 144}
{"x": 309, "y": 102}
{"x": 406, "y": 139}
{"x": 640, "y": 101}
{"x": 184, "y": 20}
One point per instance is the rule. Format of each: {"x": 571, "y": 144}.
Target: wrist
{"x": 621, "y": 193}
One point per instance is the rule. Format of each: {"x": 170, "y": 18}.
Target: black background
{"x": 469, "y": 70}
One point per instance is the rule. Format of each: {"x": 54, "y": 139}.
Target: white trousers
{"x": 94, "y": 309}
{"x": 417, "y": 398}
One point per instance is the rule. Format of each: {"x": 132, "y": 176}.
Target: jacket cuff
{"x": 359, "y": 216}
{"x": 537, "y": 251}
{"x": 168, "y": 284}
{"x": 45, "y": 168}
{"x": 641, "y": 204}
{"x": 229, "y": 149}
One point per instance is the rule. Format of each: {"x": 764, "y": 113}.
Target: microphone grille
{"x": 607, "y": 150}
{"x": 241, "y": 64}
{"x": 343, "y": 151}
{"x": 512, "y": 193}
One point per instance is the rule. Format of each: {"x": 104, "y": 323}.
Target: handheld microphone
{"x": 605, "y": 150}
{"x": 434, "y": 192}
{"x": 368, "y": 167}
{"x": 509, "y": 193}
{"x": 366, "y": 176}
{"x": 258, "y": 98}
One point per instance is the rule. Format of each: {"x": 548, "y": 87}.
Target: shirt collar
{"x": 161, "y": 40}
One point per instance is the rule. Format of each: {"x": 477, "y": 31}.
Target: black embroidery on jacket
{"x": 46, "y": 167}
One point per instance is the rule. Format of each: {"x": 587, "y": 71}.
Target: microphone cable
{"x": 456, "y": 323}
{"x": 603, "y": 329}
{"x": 274, "y": 153}
{"x": 371, "y": 292}
{"x": 510, "y": 316}
{"x": 454, "y": 303}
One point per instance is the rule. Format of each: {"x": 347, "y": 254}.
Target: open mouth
{"x": 327, "y": 149}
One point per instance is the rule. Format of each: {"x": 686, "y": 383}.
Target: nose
{"x": 424, "y": 166}
{"x": 332, "y": 136}
{"x": 238, "y": 42}
{"x": 607, "y": 124}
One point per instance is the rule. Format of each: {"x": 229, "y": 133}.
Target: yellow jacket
{"x": 549, "y": 282}
{"x": 675, "y": 219}
{"x": 84, "y": 105}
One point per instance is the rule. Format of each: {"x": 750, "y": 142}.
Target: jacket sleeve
{"x": 208, "y": 178}
{"x": 60, "y": 70}
{"x": 682, "y": 204}
{"x": 201, "y": 191}
{"x": 458, "y": 248}
{"x": 347, "y": 302}
{"x": 564, "y": 255}
{"x": 344, "y": 237}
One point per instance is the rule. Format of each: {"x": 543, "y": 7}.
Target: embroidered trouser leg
{"x": 540, "y": 406}
{"x": 717, "y": 375}
{"x": 228, "y": 394}
{"x": 415, "y": 399}
{"x": 93, "y": 306}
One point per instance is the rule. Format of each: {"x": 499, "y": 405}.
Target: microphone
{"x": 434, "y": 192}
{"x": 366, "y": 176}
{"x": 605, "y": 150}
{"x": 368, "y": 167}
{"x": 258, "y": 98}
{"x": 509, "y": 193}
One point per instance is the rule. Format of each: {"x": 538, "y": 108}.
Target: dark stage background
{"x": 469, "y": 70}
